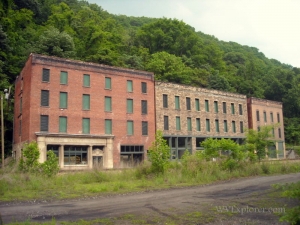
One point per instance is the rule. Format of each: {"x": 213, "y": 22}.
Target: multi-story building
{"x": 262, "y": 112}
{"x": 88, "y": 114}
{"x": 188, "y": 115}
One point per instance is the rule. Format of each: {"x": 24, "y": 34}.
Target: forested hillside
{"x": 170, "y": 48}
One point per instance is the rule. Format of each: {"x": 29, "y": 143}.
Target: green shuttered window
{"x": 107, "y": 83}
{"x": 85, "y": 125}
{"x": 63, "y": 100}
{"x": 198, "y": 124}
{"x": 177, "y": 102}
{"x": 63, "y": 77}
{"x": 178, "y": 126}
{"x": 108, "y": 126}
{"x": 86, "y": 102}
{"x": 108, "y": 107}
{"x": 129, "y": 86}
{"x": 86, "y": 80}
{"x": 197, "y": 104}
{"x": 189, "y": 124}
{"x": 129, "y": 127}
{"x": 63, "y": 124}
{"x": 129, "y": 105}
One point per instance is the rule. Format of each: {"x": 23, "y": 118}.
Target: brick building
{"x": 187, "y": 115}
{"x": 89, "y": 114}
{"x": 262, "y": 112}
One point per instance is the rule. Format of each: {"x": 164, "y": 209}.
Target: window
{"x": 63, "y": 124}
{"x": 258, "y": 128}
{"x": 216, "y": 107}
{"x": 165, "y": 101}
{"x": 240, "y": 109}
{"x": 189, "y": 124}
{"x": 217, "y": 126}
{"x": 144, "y": 87}
{"x": 206, "y": 106}
{"x": 224, "y": 107}
{"x": 257, "y": 115}
{"x": 233, "y": 127}
{"x": 271, "y": 115}
{"x": 108, "y": 107}
{"x": 198, "y": 124}
{"x": 46, "y": 75}
{"x": 85, "y": 125}
{"x": 197, "y": 104}
{"x": 63, "y": 77}
{"x": 188, "y": 103}
{"x": 86, "y": 80}
{"x": 44, "y": 123}
{"x": 265, "y": 116}
{"x": 108, "y": 83}
{"x": 273, "y": 132}
{"x": 21, "y": 104}
{"x": 129, "y": 127}
{"x": 225, "y": 126}
{"x": 241, "y": 127}
{"x": 86, "y": 102}
{"x": 178, "y": 127}
{"x": 129, "y": 105}
{"x": 279, "y": 132}
{"x": 177, "y": 102}
{"x": 44, "y": 98}
{"x": 144, "y": 107}
{"x": 144, "y": 128}
{"x": 278, "y": 118}
{"x": 207, "y": 125}
{"x": 232, "y": 108}
{"x": 74, "y": 155}
{"x": 63, "y": 100}
{"x": 20, "y": 127}
{"x": 166, "y": 123}
{"x": 108, "y": 126}
{"x": 129, "y": 86}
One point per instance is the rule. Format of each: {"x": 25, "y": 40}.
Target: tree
{"x": 159, "y": 154}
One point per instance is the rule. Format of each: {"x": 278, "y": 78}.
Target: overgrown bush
{"x": 50, "y": 167}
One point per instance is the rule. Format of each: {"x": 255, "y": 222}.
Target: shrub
{"x": 31, "y": 154}
{"x": 50, "y": 167}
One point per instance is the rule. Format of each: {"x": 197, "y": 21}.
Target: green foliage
{"x": 159, "y": 154}
{"x": 50, "y": 167}
{"x": 29, "y": 159}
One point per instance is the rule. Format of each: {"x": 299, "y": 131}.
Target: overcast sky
{"x": 272, "y": 26}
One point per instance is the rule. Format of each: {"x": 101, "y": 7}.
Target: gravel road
{"x": 220, "y": 195}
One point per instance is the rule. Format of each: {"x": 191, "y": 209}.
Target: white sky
{"x": 272, "y": 26}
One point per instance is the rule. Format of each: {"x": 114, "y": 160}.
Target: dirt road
{"x": 230, "y": 197}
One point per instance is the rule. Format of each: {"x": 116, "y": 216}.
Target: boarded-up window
{"x": 144, "y": 107}
{"x": 188, "y": 103}
{"x": 225, "y": 126}
{"x": 108, "y": 126}
{"x": 198, "y": 124}
{"x": 257, "y": 115}
{"x": 107, "y": 83}
{"x": 63, "y": 77}
{"x": 85, "y": 125}
{"x": 177, "y": 102}
{"x": 233, "y": 126}
{"x": 207, "y": 125}
{"x": 129, "y": 86}
{"x": 63, "y": 100}
{"x": 241, "y": 127}
{"x": 129, "y": 105}
{"x": 63, "y": 124}
{"x": 85, "y": 102}
{"x": 189, "y": 124}
{"x": 217, "y": 125}
{"x": 206, "y": 106}
{"x": 165, "y": 101}
{"x": 46, "y": 75}
{"x": 144, "y": 128}
{"x": 44, "y": 98}
{"x": 224, "y": 107}
{"x": 241, "y": 109}
{"x": 178, "y": 126}
{"x": 86, "y": 80}
{"x": 216, "y": 108}
{"x": 197, "y": 104}
{"x": 232, "y": 108}
{"x": 108, "y": 107}
{"x": 166, "y": 123}
{"x": 129, "y": 127}
{"x": 44, "y": 123}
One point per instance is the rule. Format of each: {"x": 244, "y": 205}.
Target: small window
{"x": 129, "y": 86}
{"x": 63, "y": 77}
{"x": 217, "y": 126}
{"x": 233, "y": 127}
{"x": 44, "y": 123}
{"x": 273, "y": 132}
{"x": 20, "y": 127}
{"x": 188, "y": 103}
{"x": 46, "y": 75}
{"x": 85, "y": 125}
{"x": 197, "y": 104}
{"x": 144, "y": 128}
{"x": 108, "y": 107}
{"x": 279, "y": 132}
{"x": 165, "y": 101}
{"x": 257, "y": 115}
{"x": 177, "y": 102}
{"x": 240, "y": 109}
{"x": 144, "y": 87}
{"x": 198, "y": 124}
{"x": 265, "y": 116}
{"x": 232, "y": 108}
{"x": 129, "y": 127}
{"x": 144, "y": 107}
{"x": 224, "y": 107}
{"x": 178, "y": 126}
{"x": 216, "y": 108}
{"x": 207, "y": 125}
{"x": 63, "y": 124}
{"x": 108, "y": 83}
{"x": 225, "y": 126}
{"x": 21, "y": 104}
{"x": 241, "y": 127}
{"x": 129, "y": 105}
{"x": 108, "y": 126}
{"x": 86, "y": 102}
{"x": 63, "y": 100}
{"x": 44, "y": 98}
{"x": 86, "y": 80}
{"x": 166, "y": 123}
{"x": 271, "y": 116}
{"x": 206, "y": 106}
{"x": 278, "y": 118}
{"x": 189, "y": 124}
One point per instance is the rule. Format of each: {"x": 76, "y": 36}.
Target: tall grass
{"x": 192, "y": 171}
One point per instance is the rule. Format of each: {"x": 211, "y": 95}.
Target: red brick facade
{"x": 29, "y": 86}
